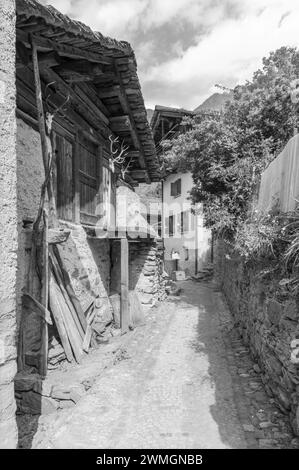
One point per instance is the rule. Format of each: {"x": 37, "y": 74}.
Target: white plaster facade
{"x": 193, "y": 243}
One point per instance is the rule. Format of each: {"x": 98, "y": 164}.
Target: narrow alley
{"x": 185, "y": 380}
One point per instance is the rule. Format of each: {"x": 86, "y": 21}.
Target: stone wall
{"x": 9, "y": 225}
{"x": 145, "y": 270}
{"x": 87, "y": 260}
{"x": 267, "y": 316}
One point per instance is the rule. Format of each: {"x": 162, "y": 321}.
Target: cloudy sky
{"x": 185, "y": 47}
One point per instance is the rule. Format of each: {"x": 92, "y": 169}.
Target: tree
{"x": 226, "y": 153}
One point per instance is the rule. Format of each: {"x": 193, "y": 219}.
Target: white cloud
{"x": 232, "y": 51}
{"x": 228, "y": 37}
{"x": 116, "y": 17}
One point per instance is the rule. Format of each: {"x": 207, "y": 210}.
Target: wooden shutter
{"x": 179, "y": 187}
{"x": 63, "y": 176}
{"x": 175, "y": 188}
{"x": 181, "y": 223}
{"x": 171, "y": 225}
{"x": 89, "y": 180}
{"x": 172, "y": 189}
{"x": 186, "y": 215}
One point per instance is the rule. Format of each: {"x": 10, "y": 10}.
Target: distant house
{"x": 186, "y": 241}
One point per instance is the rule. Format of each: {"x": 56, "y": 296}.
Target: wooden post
{"x": 124, "y": 283}
{"x": 76, "y": 181}
{"x": 196, "y": 241}
{"x": 44, "y": 298}
{"x": 45, "y": 141}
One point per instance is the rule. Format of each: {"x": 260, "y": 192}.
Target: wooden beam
{"x": 63, "y": 49}
{"x": 22, "y": 53}
{"x": 76, "y": 180}
{"x": 91, "y": 91}
{"x": 120, "y": 123}
{"x": 54, "y": 100}
{"x": 66, "y": 89}
{"x": 138, "y": 174}
{"x": 94, "y": 105}
{"x": 134, "y": 154}
{"x": 111, "y": 92}
{"x": 124, "y": 282}
{"x": 46, "y": 150}
{"x": 81, "y": 67}
{"x": 48, "y": 59}
{"x": 43, "y": 363}
{"x": 134, "y": 131}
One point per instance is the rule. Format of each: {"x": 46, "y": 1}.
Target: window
{"x": 184, "y": 221}
{"x": 171, "y": 225}
{"x": 83, "y": 183}
{"x": 175, "y": 188}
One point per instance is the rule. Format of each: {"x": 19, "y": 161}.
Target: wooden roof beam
{"x": 111, "y": 92}
{"x": 134, "y": 154}
{"x": 65, "y": 89}
{"x": 120, "y": 123}
{"x": 79, "y": 67}
{"x": 138, "y": 174}
{"x": 62, "y": 49}
{"x": 134, "y": 131}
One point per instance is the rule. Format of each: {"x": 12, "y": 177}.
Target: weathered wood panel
{"x": 64, "y": 177}
{"x": 280, "y": 181}
{"x": 89, "y": 180}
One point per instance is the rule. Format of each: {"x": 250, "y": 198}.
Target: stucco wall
{"x": 30, "y": 170}
{"x": 9, "y": 220}
{"x": 30, "y": 178}
{"x": 187, "y": 243}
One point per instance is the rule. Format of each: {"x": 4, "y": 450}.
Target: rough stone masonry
{"x": 9, "y": 224}
{"x": 267, "y": 317}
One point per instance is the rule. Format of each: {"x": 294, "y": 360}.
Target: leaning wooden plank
{"x": 124, "y": 285}
{"x": 88, "y": 333}
{"x": 31, "y": 303}
{"x": 57, "y": 315}
{"x": 43, "y": 364}
{"x": 70, "y": 327}
{"x": 68, "y": 301}
{"x": 45, "y": 141}
{"x": 69, "y": 288}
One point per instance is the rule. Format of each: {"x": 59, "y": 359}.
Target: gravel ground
{"x": 185, "y": 380}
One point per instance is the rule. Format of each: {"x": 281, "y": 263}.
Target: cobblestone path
{"x": 184, "y": 381}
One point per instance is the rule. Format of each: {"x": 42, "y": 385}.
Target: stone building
{"x": 92, "y": 127}
{"x": 187, "y": 243}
